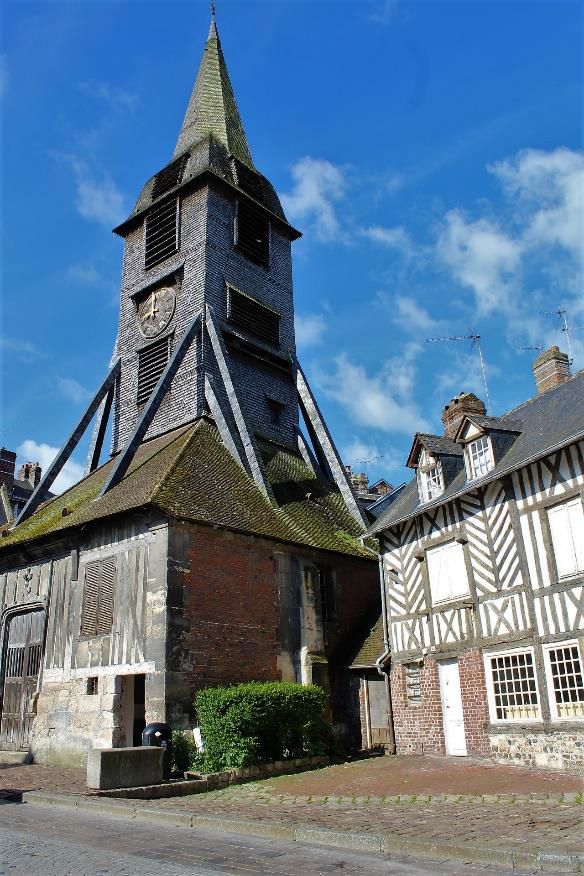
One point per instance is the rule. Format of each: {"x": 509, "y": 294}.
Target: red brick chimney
{"x": 7, "y": 463}
{"x": 31, "y": 472}
{"x": 461, "y": 404}
{"x": 551, "y": 368}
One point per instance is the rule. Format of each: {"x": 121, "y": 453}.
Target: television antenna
{"x": 475, "y": 341}
{"x": 366, "y": 460}
{"x": 538, "y": 347}
{"x": 563, "y": 314}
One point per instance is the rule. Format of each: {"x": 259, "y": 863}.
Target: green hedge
{"x": 260, "y": 722}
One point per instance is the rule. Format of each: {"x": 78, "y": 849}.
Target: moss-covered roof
{"x": 364, "y": 643}
{"x": 189, "y": 474}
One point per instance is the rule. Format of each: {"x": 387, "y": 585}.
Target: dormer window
{"x": 479, "y": 457}
{"x": 430, "y": 481}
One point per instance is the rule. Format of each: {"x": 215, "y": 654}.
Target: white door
{"x": 452, "y": 707}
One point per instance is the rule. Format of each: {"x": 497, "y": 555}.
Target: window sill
{"x": 456, "y": 602}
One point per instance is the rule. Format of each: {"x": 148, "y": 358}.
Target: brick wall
{"x": 418, "y": 728}
{"x": 474, "y": 701}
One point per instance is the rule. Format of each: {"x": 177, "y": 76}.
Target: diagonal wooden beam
{"x": 220, "y": 418}
{"x": 322, "y": 439}
{"x": 63, "y": 455}
{"x": 101, "y": 422}
{"x": 245, "y": 434}
{"x": 125, "y": 457}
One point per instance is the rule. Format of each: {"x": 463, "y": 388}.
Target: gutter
{"x": 383, "y": 659}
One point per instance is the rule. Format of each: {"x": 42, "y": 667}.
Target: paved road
{"x": 53, "y": 842}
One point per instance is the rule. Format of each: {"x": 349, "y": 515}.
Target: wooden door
{"x": 22, "y": 660}
{"x": 452, "y": 712}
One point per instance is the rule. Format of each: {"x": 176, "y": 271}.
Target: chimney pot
{"x": 31, "y": 472}
{"x": 454, "y": 411}
{"x": 550, "y": 369}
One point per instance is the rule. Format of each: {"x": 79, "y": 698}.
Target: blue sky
{"x": 431, "y": 152}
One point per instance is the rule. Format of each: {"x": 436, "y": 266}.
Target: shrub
{"x": 260, "y": 722}
{"x": 184, "y": 751}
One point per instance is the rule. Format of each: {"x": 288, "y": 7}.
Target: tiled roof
{"x": 364, "y": 644}
{"x": 548, "y": 421}
{"x": 189, "y": 474}
{"x": 440, "y": 445}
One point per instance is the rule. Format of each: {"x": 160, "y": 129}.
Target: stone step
{"x": 15, "y": 758}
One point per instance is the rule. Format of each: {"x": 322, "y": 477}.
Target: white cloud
{"x": 86, "y": 275}
{"x": 464, "y": 374}
{"x": 31, "y": 451}
{"x": 383, "y": 401}
{"x": 393, "y": 238}
{"x": 71, "y": 389}
{"x": 26, "y": 351}
{"x": 366, "y": 455}
{"x": 310, "y": 328}
{"x": 408, "y": 314}
{"x": 482, "y": 256}
{"x": 550, "y": 186}
{"x": 95, "y": 198}
{"x": 318, "y": 186}
{"x": 108, "y": 93}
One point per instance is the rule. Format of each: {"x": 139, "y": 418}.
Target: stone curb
{"x": 548, "y": 860}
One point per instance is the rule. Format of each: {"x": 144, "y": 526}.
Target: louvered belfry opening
{"x": 170, "y": 177}
{"x": 247, "y": 179}
{"x": 162, "y": 232}
{"x": 152, "y": 361}
{"x": 252, "y": 233}
{"x": 249, "y": 314}
{"x": 98, "y": 597}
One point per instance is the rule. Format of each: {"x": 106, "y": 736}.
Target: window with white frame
{"x": 512, "y": 686}
{"x": 430, "y": 484}
{"x": 567, "y": 530}
{"x": 479, "y": 457}
{"x": 565, "y": 681}
{"x": 447, "y": 572}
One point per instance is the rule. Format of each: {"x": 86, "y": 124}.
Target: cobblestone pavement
{"x": 31, "y": 777}
{"x": 38, "y": 840}
{"x": 519, "y": 826}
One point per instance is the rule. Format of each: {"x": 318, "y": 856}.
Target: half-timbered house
{"x": 483, "y": 580}
{"x": 221, "y": 541}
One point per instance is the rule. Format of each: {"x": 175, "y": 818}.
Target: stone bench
{"x": 124, "y": 767}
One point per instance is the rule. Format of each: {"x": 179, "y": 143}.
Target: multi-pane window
{"x": 512, "y": 685}
{"x": 447, "y": 572}
{"x": 480, "y": 457}
{"x": 432, "y": 483}
{"x": 567, "y": 529}
{"x": 565, "y": 681}
{"x": 98, "y": 597}
{"x": 412, "y": 679}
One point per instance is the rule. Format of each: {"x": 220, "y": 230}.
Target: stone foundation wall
{"x": 557, "y": 750}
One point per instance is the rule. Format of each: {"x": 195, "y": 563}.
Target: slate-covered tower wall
{"x": 207, "y": 261}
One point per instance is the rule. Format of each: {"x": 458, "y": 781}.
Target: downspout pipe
{"x": 383, "y": 659}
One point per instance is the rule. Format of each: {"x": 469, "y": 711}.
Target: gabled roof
{"x": 437, "y": 445}
{"x": 496, "y": 424}
{"x": 212, "y": 108}
{"x": 548, "y": 421}
{"x": 188, "y": 474}
{"x": 363, "y": 644}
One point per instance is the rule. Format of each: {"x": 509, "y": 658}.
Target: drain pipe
{"x": 383, "y": 658}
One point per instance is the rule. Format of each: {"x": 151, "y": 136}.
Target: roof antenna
{"x": 539, "y": 347}
{"x": 475, "y": 339}
{"x": 563, "y": 314}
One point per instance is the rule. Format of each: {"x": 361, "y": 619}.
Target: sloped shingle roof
{"x": 548, "y": 421}
{"x": 189, "y": 474}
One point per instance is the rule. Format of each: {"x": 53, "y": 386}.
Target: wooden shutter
{"x": 456, "y": 570}
{"x": 247, "y": 179}
{"x": 152, "y": 361}
{"x": 559, "y": 519}
{"x": 169, "y": 177}
{"x": 249, "y": 314}
{"x": 576, "y": 517}
{"x": 90, "y": 599}
{"x": 105, "y": 613}
{"x": 252, "y": 234}
{"x": 161, "y": 232}
{"x": 438, "y": 574}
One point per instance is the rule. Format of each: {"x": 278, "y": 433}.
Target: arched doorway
{"x": 23, "y": 649}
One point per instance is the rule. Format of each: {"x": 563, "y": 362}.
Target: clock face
{"x": 155, "y": 311}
